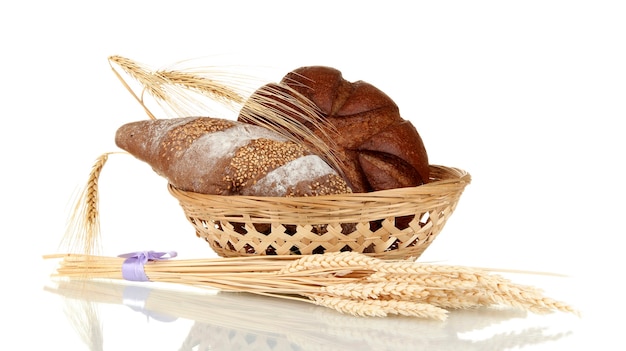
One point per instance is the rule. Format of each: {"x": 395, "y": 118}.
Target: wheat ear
{"x": 379, "y": 308}
{"x": 82, "y": 232}
{"x": 178, "y": 90}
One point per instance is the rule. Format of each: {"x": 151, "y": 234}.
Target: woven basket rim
{"x": 395, "y": 223}
{"x": 446, "y": 186}
{"x": 452, "y": 177}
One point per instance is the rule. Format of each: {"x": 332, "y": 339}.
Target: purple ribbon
{"x": 132, "y": 268}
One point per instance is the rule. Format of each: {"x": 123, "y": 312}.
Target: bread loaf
{"x": 225, "y": 157}
{"x": 377, "y": 148}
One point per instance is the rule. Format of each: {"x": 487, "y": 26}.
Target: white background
{"x": 528, "y": 96}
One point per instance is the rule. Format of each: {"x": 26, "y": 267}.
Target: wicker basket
{"x": 390, "y": 224}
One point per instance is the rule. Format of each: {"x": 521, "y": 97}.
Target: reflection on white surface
{"x": 239, "y": 321}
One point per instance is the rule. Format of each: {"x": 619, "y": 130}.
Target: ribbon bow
{"x": 133, "y": 266}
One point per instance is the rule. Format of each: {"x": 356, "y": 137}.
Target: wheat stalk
{"x": 82, "y": 232}
{"x": 457, "y": 299}
{"x": 276, "y": 106}
{"x": 331, "y": 260}
{"x": 380, "y": 290}
{"x": 348, "y": 282}
{"x": 177, "y": 89}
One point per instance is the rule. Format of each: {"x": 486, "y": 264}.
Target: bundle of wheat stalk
{"x": 348, "y": 282}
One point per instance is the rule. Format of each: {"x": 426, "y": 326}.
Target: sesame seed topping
{"x": 258, "y": 157}
{"x": 331, "y": 184}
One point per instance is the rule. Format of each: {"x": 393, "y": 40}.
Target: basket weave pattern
{"x": 392, "y": 224}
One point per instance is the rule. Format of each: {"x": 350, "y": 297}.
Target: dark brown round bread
{"x": 378, "y": 149}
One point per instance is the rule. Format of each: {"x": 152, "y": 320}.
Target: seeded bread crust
{"x": 224, "y": 157}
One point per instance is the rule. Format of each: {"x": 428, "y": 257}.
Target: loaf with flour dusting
{"x": 225, "y": 157}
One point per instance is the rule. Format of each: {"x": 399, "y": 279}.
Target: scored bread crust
{"x": 377, "y": 148}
